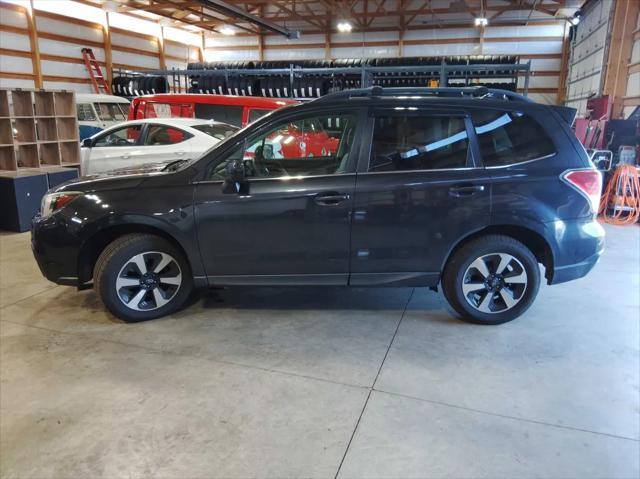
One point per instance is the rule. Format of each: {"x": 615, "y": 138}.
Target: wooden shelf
{"x": 65, "y": 104}
{"x": 22, "y": 103}
{"x": 70, "y": 152}
{"x": 4, "y": 104}
{"x": 38, "y": 129}
{"x": 25, "y": 130}
{"x": 43, "y": 102}
{"x": 8, "y": 158}
{"x": 27, "y": 156}
{"x": 49, "y": 154}
{"x": 67, "y": 129}
{"x": 6, "y": 133}
{"x": 47, "y": 130}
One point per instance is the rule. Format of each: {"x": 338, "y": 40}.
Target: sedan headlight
{"x": 52, "y": 202}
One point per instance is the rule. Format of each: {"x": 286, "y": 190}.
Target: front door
{"x": 112, "y": 150}
{"x": 418, "y": 192}
{"x": 289, "y": 223}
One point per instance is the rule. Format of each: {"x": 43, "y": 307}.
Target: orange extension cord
{"x": 620, "y": 203}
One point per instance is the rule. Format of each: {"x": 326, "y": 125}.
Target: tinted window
{"x": 418, "y": 143}
{"x": 85, "y": 112}
{"x": 125, "y": 136}
{"x": 219, "y": 132}
{"x": 225, "y": 113}
{"x": 164, "y": 135}
{"x": 510, "y": 137}
{"x": 297, "y": 148}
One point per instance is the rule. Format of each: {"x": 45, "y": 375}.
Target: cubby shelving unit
{"x": 38, "y": 129}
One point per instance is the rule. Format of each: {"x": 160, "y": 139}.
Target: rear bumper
{"x": 582, "y": 244}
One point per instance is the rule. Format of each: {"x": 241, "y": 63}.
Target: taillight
{"x": 588, "y": 183}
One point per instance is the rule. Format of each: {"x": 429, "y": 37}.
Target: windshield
{"x": 111, "y": 111}
{"x": 219, "y": 132}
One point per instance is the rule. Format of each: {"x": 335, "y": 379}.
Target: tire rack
{"x": 361, "y": 76}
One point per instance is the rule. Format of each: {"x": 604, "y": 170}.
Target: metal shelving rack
{"x": 445, "y": 74}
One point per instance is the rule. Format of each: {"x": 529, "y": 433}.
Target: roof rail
{"x": 449, "y": 92}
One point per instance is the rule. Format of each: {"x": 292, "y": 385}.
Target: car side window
{"x": 510, "y": 137}
{"x": 165, "y": 135}
{"x": 418, "y": 142}
{"x": 312, "y": 146}
{"x": 124, "y": 136}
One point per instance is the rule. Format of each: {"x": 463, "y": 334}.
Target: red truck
{"x": 235, "y": 110}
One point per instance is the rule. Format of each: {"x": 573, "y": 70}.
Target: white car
{"x": 153, "y": 140}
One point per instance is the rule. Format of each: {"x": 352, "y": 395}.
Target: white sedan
{"x": 153, "y": 140}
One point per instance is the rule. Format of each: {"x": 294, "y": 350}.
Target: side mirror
{"x": 87, "y": 143}
{"x": 235, "y": 171}
{"x": 235, "y": 177}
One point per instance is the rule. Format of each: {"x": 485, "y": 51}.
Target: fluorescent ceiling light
{"x": 227, "y": 30}
{"x": 344, "y": 27}
{"x": 481, "y": 22}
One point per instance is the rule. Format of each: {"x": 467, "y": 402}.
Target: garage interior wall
{"x": 632, "y": 95}
{"x": 540, "y": 43}
{"x": 135, "y": 44}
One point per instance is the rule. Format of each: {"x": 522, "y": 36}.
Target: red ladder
{"x": 93, "y": 67}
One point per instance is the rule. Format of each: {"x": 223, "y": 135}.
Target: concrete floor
{"x": 321, "y": 382}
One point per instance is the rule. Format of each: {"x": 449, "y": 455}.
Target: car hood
{"x": 129, "y": 177}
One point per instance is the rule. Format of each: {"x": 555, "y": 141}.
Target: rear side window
{"x": 158, "y": 135}
{"x": 418, "y": 143}
{"x": 506, "y": 138}
{"x": 231, "y": 114}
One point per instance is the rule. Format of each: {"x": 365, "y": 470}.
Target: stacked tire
{"x": 139, "y": 85}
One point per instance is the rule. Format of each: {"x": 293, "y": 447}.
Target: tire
{"x": 500, "y": 291}
{"x": 117, "y": 271}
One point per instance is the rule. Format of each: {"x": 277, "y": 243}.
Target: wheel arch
{"x": 95, "y": 244}
{"x": 527, "y": 236}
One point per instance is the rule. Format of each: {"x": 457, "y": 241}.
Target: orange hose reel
{"x": 620, "y": 203}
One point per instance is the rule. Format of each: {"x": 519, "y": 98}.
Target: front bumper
{"x": 55, "y": 250}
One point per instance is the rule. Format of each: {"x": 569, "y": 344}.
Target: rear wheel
{"x": 141, "y": 277}
{"x": 491, "y": 280}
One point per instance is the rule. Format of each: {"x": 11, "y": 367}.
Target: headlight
{"x": 52, "y": 202}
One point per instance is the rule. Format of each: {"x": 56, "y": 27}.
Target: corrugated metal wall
{"x": 542, "y": 44}
{"x": 61, "y": 39}
{"x": 588, "y": 54}
{"x": 633, "y": 82}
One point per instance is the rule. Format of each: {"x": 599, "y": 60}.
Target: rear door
{"x": 419, "y": 190}
{"x": 163, "y": 143}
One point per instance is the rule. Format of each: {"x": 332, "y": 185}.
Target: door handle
{"x": 179, "y": 153}
{"x": 125, "y": 157}
{"x": 330, "y": 199}
{"x": 465, "y": 190}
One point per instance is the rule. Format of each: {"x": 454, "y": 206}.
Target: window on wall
{"x": 419, "y": 142}
{"x": 303, "y": 147}
{"x": 506, "y": 138}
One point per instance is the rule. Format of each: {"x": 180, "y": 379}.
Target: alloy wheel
{"x": 494, "y": 283}
{"x": 148, "y": 281}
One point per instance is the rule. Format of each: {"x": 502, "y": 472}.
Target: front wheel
{"x": 491, "y": 280}
{"x": 141, "y": 277}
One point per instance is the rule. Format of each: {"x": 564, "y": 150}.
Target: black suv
{"x": 470, "y": 189}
